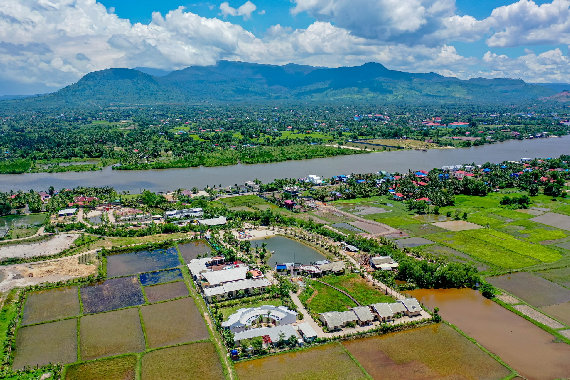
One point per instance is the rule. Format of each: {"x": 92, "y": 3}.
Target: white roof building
{"x": 197, "y": 266}
{"x": 274, "y": 333}
{"x": 306, "y": 331}
{"x": 245, "y": 317}
{"x": 230, "y": 288}
{"x": 218, "y": 277}
{"x": 337, "y": 319}
{"x": 67, "y": 212}
{"x": 220, "y": 220}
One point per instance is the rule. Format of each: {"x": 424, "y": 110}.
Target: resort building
{"x": 245, "y": 317}
{"x": 67, "y": 212}
{"x": 219, "y": 221}
{"x": 189, "y": 213}
{"x": 412, "y": 306}
{"x": 307, "y": 332}
{"x": 236, "y": 289}
{"x": 365, "y": 316}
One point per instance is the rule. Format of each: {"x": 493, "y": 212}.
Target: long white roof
{"x": 236, "y": 286}
{"x": 219, "y": 277}
{"x": 273, "y": 332}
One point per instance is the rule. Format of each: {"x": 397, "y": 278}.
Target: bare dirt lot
{"x": 49, "y": 247}
{"x": 555, "y": 220}
{"x": 457, "y": 225}
{"x": 20, "y": 275}
{"x": 412, "y": 242}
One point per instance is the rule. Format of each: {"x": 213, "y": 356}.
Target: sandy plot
{"x": 369, "y": 210}
{"x": 49, "y": 247}
{"x": 539, "y": 317}
{"x": 457, "y": 225}
{"x": 566, "y": 333}
{"x": 507, "y": 298}
{"x": 412, "y": 242}
{"x": 555, "y": 220}
{"x": 66, "y": 268}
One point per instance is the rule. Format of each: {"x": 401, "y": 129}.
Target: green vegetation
{"x": 229, "y": 310}
{"x": 119, "y": 368}
{"x": 359, "y": 288}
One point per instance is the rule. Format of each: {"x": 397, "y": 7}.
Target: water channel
{"x": 402, "y": 161}
{"x": 529, "y": 350}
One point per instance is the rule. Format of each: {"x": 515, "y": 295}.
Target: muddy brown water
{"x": 528, "y": 349}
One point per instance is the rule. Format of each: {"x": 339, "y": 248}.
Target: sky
{"x": 48, "y": 44}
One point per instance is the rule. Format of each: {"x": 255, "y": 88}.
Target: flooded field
{"x": 524, "y": 346}
{"x": 288, "y": 251}
{"x": 109, "y": 334}
{"x": 559, "y": 311}
{"x": 161, "y": 277}
{"x": 165, "y": 292}
{"x": 17, "y": 221}
{"x": 196, "y": 361}
{"x": 48, "y": 343}
{"x": 328, "y": 362}
{"x": 112, "y": 294}
{"x": 190, "y": 251}
{"x": 173, "y": 322}
{"x": 533, "y": 289}
{"x": 122, "y": 368}
{"x": 143, "y": 261}
{"x": 50, "y": 305}
{"x": 430, "y": 352}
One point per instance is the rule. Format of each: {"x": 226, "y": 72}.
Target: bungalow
{"x": 365, "y": 316}
{"x": 336, "y": 267}
{"x": 307, "y": 332}
{"x": 335, "y": 320}
{"x": 412, "y": 306}
{"x": 383, "y": 312}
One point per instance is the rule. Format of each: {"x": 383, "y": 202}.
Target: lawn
{"x": 321, "y": 298}
{"x": 243, "y": 201}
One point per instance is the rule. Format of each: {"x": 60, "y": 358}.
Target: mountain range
{"x": 234, "y": 82}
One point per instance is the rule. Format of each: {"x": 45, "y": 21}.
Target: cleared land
{"x": 457, "y": 225}
{"x": 121, "y": 368}
{"x": 329, "y": 362}
{"x": 193, "y": 361}
{"x": 113, "y": 333}
{"x": 48, "y": 247}
{"x": 51, "y": 305}
{"x": 39, "y": 345}
{"x": 430, "y": 352}
{"x": 173, "y": 322}
{"x": 555, "y": 220}
{"x": 112, "y": 294}
{"x": 165, "y": 292}
{"x": 534, "y": 290}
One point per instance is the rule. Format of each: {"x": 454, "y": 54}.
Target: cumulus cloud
{"x": 54, "y": 42}
{"x": 245, "y": 10}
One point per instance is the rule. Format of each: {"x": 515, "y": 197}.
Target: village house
{"x": 383, "y": 263}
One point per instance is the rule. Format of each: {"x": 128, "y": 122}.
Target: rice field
{"x": 121, "y": 368}
{"x": 153, "y": 278}
{"x": 112, "y": 294}
{"x": 532, "y": 289}
{"x": 51, "y": 305}
{"x": 192, "y": 250}
{"x": 329, "y": 362}
{"x": 430, "y": 352}
{"x": 163, "y": 292}
{"x": 193, "y": 361}
{"x": 38, "y": 345}
{"x": 109, "y": 334}
{"x": 142, "y": 261}
{"x": 173, "y": 322}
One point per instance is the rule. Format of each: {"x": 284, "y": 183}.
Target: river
{"x": 401, "y": 161}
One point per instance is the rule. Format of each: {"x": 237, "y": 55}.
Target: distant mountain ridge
{"x": 233, "y": 82}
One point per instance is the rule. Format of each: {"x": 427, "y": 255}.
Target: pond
{"x": 16, "y": 221}
{"x": 286, "y": 250}
{"x": 528, "y": 349}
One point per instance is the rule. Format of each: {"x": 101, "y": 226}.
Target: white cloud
{"x": 244, "y": 10}
{"x": 55, "y": 42}
{"x": 525, "y": 22}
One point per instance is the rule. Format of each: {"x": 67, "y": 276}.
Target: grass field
{"x": 321, "y": 298}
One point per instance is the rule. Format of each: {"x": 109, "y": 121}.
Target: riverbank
{"x": 200, "y": 177}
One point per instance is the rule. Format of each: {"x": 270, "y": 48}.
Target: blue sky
{"x": 47, "y": 44}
